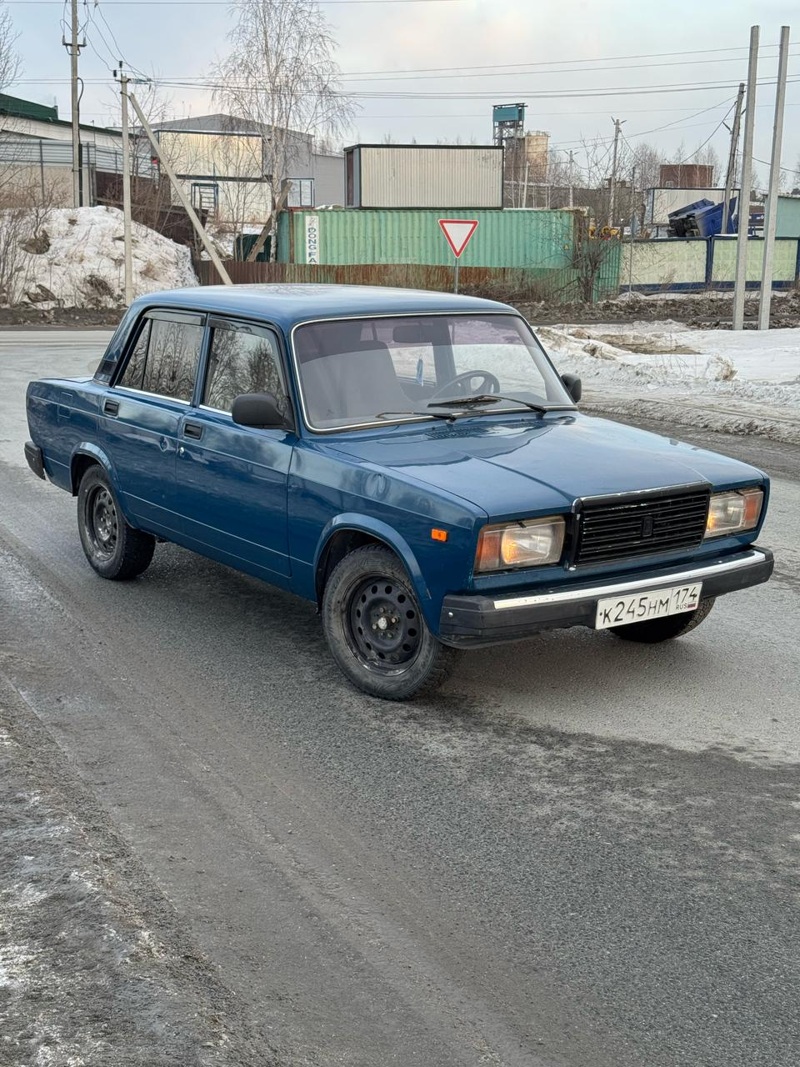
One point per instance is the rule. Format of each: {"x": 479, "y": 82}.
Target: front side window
{"x": 165, "y": 356}
{"x": 366, "y": 371}
{"x": 242, "y": 359}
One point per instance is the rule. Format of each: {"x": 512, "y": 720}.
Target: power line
{"x": 496, "y": 72}
{"x": 555, "y": 62}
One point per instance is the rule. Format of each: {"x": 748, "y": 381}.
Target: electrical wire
{"x": 411, "y": 76}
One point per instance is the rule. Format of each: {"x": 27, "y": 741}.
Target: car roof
{"x": 287, "y": 305}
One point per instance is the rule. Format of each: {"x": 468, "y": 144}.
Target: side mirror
{"x": 258, "y": 410}
{"x": 573, "y": 384}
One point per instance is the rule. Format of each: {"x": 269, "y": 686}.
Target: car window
{"x": 134, "y": 370}
{"x": 242, "y": 359}
{"x": 495, "y": 344}
{"x": 356, "y": 372}
{"x": 165, "y": 357}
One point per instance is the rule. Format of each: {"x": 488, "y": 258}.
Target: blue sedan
{"x": 412, "y": 462}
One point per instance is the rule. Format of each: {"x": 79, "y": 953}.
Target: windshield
{"x": 359, "y": 372}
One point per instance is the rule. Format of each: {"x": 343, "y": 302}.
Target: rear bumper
{"x": 35, "y": 459}
{"x": 484, "y": 620}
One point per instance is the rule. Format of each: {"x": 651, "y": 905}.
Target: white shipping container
{"x": 424, "y": 176}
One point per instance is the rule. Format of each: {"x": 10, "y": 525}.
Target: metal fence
{"x": 521, "y": 285}
{"x": 37, "y": 152}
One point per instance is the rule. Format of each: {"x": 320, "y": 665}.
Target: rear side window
{"x": 242, "y": 359}
{"x": 165, "y": 356}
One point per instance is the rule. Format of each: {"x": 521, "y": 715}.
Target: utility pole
{"x": 571, "y": 156}
{"x": 771, "y": 217}
{"x": 743, "y": 229}
{"x": 126, "y": 186}
{"x": 198, "y": 226}
{"x": 74, "y": 48}
{"x": 612, "y": 198}
{"x": 632, "y": 213}
{"x": 726, "y": 203}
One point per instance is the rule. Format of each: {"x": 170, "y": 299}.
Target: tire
{"x": 376, "y": 631}
{"x": 650, "y": 633}
{"x": 114, "y": 549}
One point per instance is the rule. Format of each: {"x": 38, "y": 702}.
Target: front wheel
{"x": 376, "y": 631}
{"x": 656, "y": 630}
{"x": 115, "y": 549}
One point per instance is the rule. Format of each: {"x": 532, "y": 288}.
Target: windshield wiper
{"x": 449, "y": 415}
{"x": 487, "y": 398}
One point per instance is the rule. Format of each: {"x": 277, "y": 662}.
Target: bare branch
{"x": 10, "y": 66}
{"x": 280, "y": 76}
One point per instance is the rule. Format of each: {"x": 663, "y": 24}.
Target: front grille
{"x": 640, "y": 526}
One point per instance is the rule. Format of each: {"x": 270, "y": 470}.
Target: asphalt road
{"x": 582, "y": 854}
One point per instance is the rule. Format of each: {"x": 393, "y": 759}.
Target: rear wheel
{"x": 650, "y": 633}
{"x": 114, "y": 548}
{"x": 376, "y": 631}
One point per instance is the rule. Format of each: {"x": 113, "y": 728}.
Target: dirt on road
{"x": 94, "y": 971}
{"x": 704, "y": 311}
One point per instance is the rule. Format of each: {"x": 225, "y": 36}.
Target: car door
{"x": 232, "y": 480}
{"x": 142, "y": 412}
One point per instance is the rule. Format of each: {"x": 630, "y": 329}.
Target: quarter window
{"x": 242, "y": 359}
{"x": 134, "y": 371}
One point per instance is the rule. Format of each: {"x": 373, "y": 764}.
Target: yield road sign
{"x": 458, "y": 233}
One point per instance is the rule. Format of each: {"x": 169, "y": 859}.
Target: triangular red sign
{"x": 458, "y": 233}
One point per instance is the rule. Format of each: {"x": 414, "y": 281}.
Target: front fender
{"x": 381, "y": 531}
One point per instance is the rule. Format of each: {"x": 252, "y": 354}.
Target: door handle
{"x": 192, "y": 429}
{"x": 111, "y": 407}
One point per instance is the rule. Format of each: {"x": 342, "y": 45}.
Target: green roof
{"x": 26, "y": 109}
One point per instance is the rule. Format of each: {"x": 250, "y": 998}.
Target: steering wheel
{"x": 488, "y": 384}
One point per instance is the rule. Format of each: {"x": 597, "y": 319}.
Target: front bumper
{"x": 479, "y": 619}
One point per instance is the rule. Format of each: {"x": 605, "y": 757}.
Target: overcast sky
{"x": 619, "y": 58}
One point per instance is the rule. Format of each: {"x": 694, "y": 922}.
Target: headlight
{"x": 730, "y": 513}
{"x": 520, "y": 544}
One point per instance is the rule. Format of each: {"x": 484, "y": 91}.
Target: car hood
{"x": 512, "y": 467}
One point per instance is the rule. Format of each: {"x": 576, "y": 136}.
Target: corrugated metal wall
{"x": 526, "y": 238}
{"x": 397, "y": 176}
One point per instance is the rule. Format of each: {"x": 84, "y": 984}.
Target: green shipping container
{"x": 510, "y": 238}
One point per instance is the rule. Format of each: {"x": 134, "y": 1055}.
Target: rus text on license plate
{"x": 652, "y": 604}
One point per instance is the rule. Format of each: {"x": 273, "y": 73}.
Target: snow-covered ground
{"x": 74, "y": 257}
{"x": 734, "y": 382}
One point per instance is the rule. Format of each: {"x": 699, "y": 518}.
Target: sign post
{"x": 458, "y": 233}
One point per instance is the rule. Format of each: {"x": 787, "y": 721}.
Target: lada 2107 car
{"x": 412, "y": 462}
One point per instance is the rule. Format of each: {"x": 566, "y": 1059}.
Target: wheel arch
{"x": 89, "y": 455}
{"x": 348, "y": 532}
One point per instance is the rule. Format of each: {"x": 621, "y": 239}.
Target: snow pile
{"x": 734, "y": 382}
{"x": 75, "y": 257}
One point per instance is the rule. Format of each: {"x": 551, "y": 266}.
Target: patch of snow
{"x": 78, "y": 260}
{"x": 730, "y": 381}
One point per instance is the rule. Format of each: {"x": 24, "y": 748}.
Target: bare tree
{"x": 10, "y": 66}
{"x": 647, "y": 160}
{"x": 280, "y": 75}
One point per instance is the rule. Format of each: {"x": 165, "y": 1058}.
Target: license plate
{"x": 652, "y": 604}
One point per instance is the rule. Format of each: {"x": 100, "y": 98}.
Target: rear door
{"x": 232, "y": 480}
{"x": 142, "y": 412}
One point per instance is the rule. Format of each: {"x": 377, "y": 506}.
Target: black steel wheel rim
{"x": 102, "y": 522}
{"x": 383, "y": 625}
